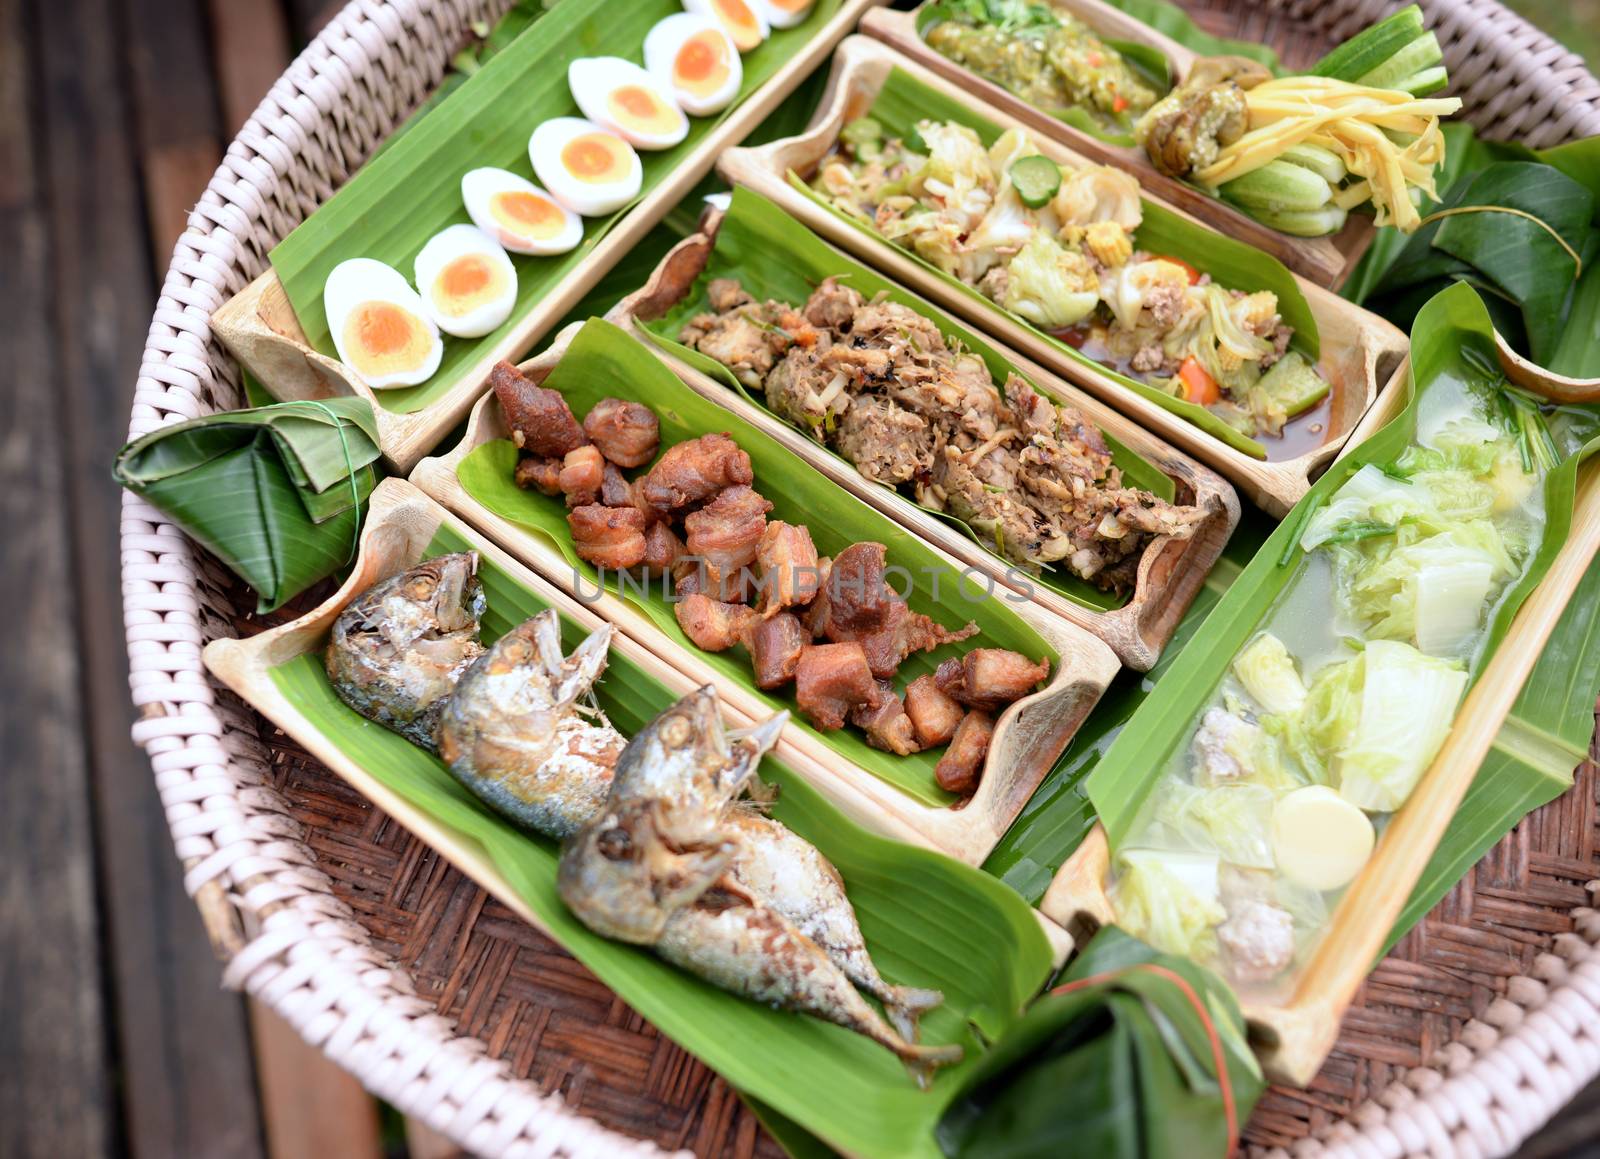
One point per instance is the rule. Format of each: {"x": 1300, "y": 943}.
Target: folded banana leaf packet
{"x": 1134, "y": 1054}
{"x": 275, "y": 492}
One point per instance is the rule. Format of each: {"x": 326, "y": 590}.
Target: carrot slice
{"x": 1198, "y": 385}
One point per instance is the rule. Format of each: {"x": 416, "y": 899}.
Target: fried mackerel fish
{"x": 833, "y": 629}
{"x": 514, "y": 723}
{"x": 677, "y": 862}
{"x": 878, "y": 383}
{"x": 660, "y": 849}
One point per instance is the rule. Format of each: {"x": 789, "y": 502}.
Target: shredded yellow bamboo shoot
{"x": 1388, "y": 139}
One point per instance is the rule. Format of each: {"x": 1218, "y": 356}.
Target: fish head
{"x": 445, "y": 591}
{"x": 680, "y": 755}
{"x": 627, "y": 872}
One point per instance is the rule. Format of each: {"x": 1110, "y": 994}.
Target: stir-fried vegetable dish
{"x": 1057, "y": 247}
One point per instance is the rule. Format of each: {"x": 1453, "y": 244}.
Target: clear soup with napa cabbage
{"x": 1333, "y": 710}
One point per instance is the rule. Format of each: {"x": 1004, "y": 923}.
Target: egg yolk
{"x": 527, "y": 215}
{"x": 701, "y": 66}
{"x": 466, "y": 283}
{"x": 790, "y": 5}
{"x": 639, "y": 109}
{"x": 595, "y": 158}
{"x": 383, "y": 338}
{"x": 740, "y": 22}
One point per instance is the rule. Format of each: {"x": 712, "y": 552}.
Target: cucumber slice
{"x": 1429, "y": 80}
{"x": 1325, "y": 163}
{"x": 1421, "y": 53}
{"x": 1278, "y": 185}
{"x": 1302, "y": 222}
{"x": 1368, "y": 50}
{"x": 1293, "y": 383}
{"x": 1035, "y": 179}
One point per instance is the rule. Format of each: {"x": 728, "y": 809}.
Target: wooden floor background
{"x": 115, "y": 1037}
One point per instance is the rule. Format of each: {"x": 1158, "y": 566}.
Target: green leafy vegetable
{"x": 1513, "y": 257}
{"x": 276, "y": 492}
{"x": 1136, "y": 1055}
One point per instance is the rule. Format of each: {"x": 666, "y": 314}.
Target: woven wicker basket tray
{"x": 1483, "y": 1022}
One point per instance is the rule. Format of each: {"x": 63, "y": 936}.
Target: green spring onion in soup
{"x": 1331, "y": 713}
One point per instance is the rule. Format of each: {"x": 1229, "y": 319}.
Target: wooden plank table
{"x": 117, "y": 1037}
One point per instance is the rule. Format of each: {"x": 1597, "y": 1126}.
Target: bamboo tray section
{"x": 1360, "y": 349}
{"x": 259, "y": 327}
{"x": 1029, "y": 736}
{"x": 1294, "y": 1037}
{"x": 1326, "y": 261}
{"x": 1171, "y": 572}
{"x": 401, "y": 522}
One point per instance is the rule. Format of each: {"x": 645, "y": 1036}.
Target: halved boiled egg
{"x": 379, "y": 325}
{"x": 744, "y": 23}
{"x": 518, "y": 214}
{"x": 589, "y": 170}
{"x": 467, "y": 283}
{"x": 782, "y": 13}
{"x": 617, "y": 94}
{"x": 697, "y": 60}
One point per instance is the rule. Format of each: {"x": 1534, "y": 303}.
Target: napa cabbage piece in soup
{"x": 1331, "y": 713}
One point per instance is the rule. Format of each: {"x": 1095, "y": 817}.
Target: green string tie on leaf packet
{"x": 275, "y": 492}
{"x": 1134, "y": 1054}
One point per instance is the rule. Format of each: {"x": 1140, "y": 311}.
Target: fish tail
{"x": 904, "y": 1005}
{"x": 579, "y": 671}
{"x": 922, "y": 1061}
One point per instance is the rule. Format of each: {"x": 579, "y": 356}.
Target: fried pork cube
{"x": 990, "y": 678}
{"x": 907, "y": 632}
{"x": 788, "y": 563}
{"x": 933, "y": 715}
{"x": 615, "y": 490}
{"x": 692, "y": 472}
{"x": 627, "y": 433}
{"x": 582, "y": 473}
{"x": 713, "y": 625}
{"x": 775, "y": 646}
{"x": 961, "y": 767}
{"x": 608, "y": 536}
{"x": 536, "y": 474}
{"x": 540, "y": 420}
{"x": 831, "y": 680}
{"x": 726, "y": 533}
{"x": 857, "y": 604}
{"x": 661, "y": 549}
{"x": 885, "y": 722}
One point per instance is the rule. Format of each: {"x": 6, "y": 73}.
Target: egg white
{"x": 775, "y": 16}
{"x": 361, "y": 280}
{"x": 591, "y": 199}
{"x": 661, "y": 45}
{"x": 479, "y": 186}
{"x": 592, "y": 79}
{"x": 708, "y": 9}
{"x": 457, "y": 241}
